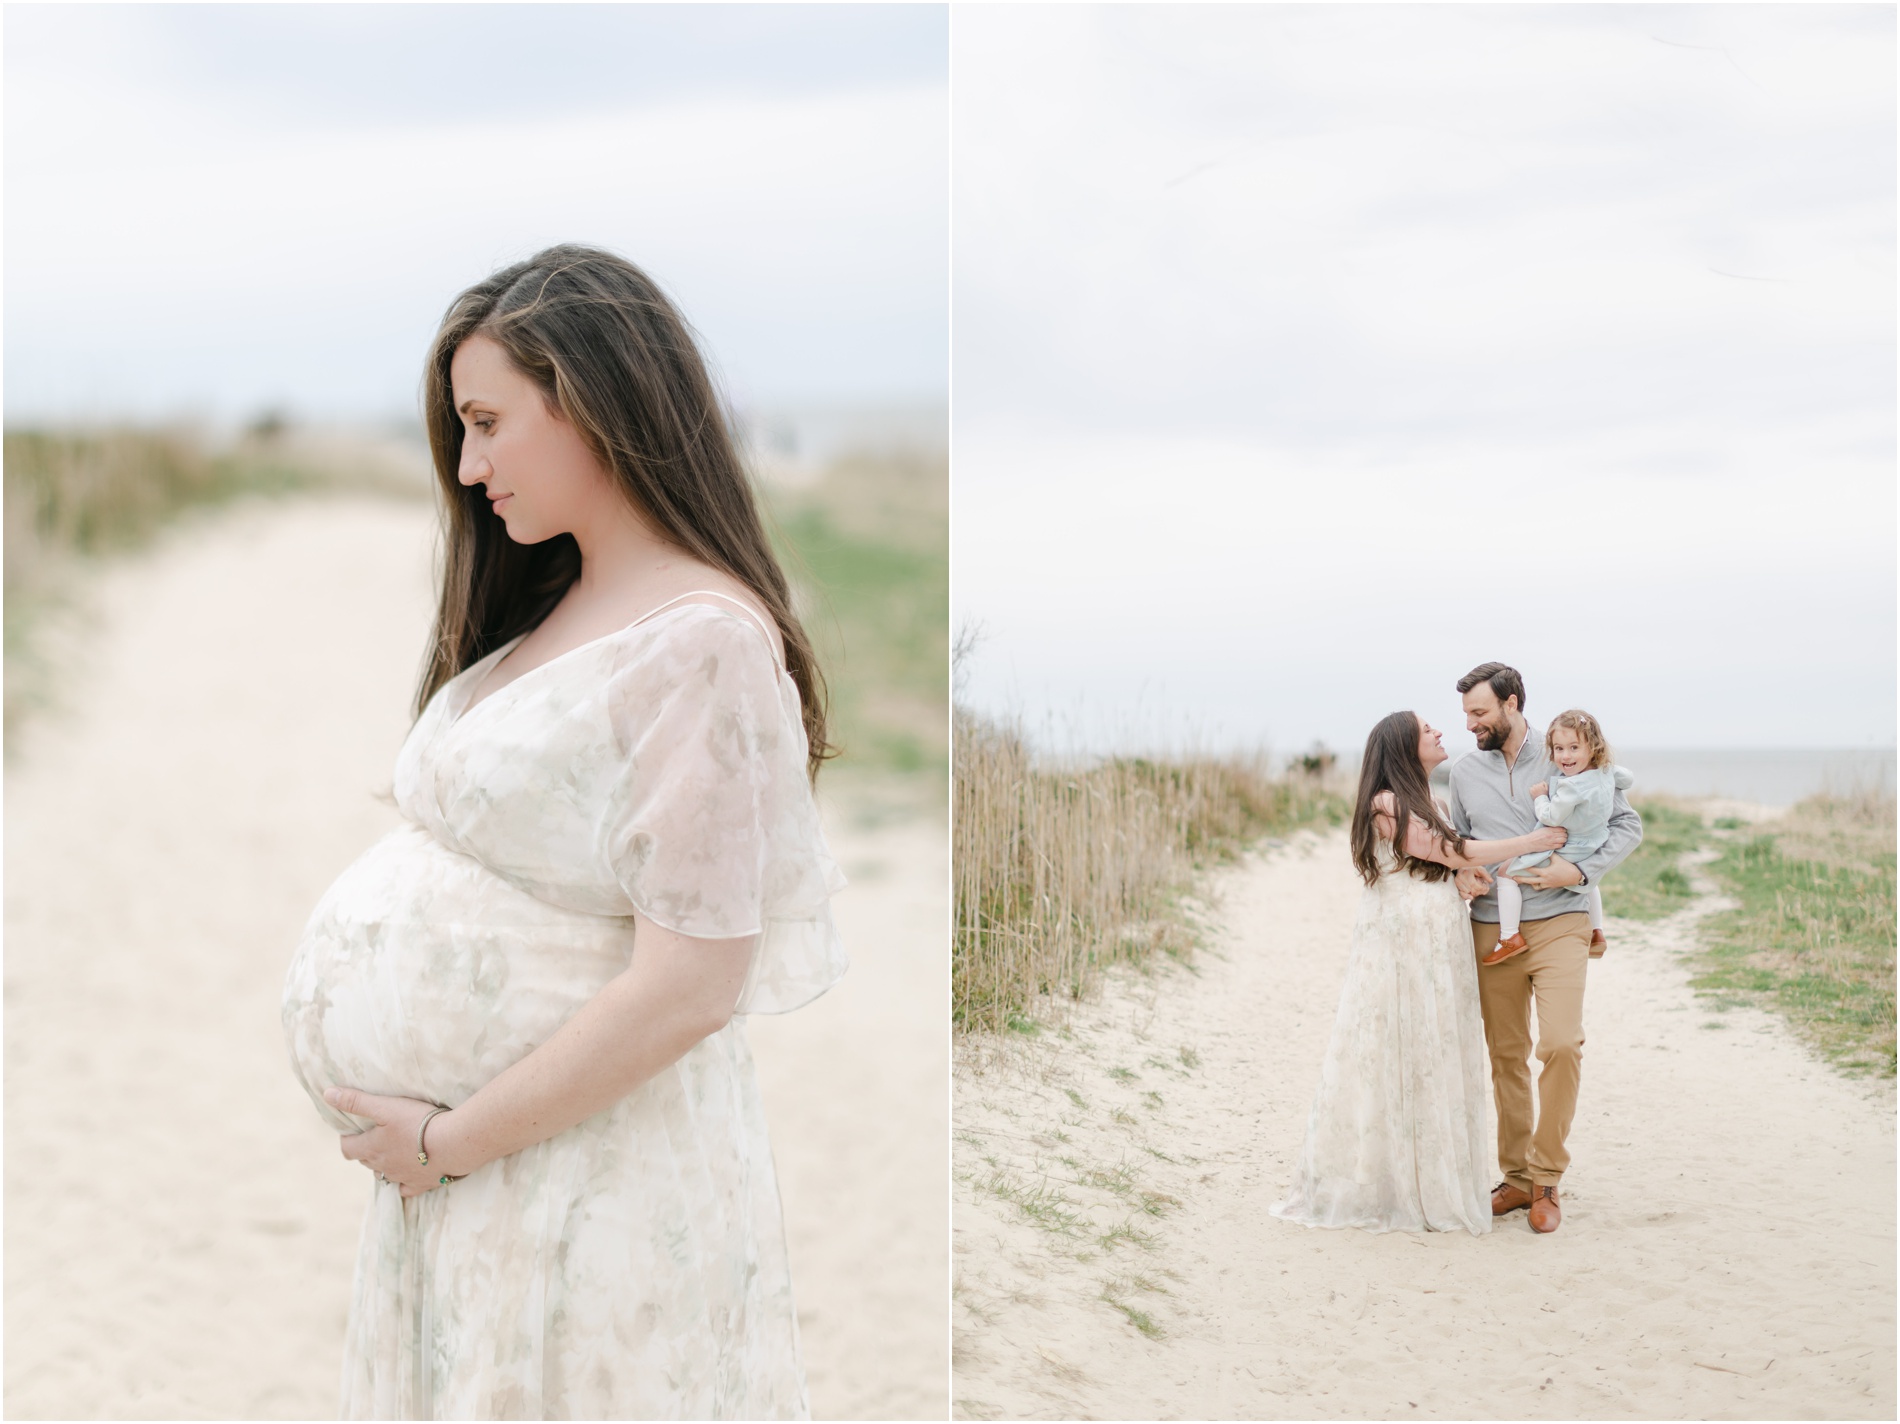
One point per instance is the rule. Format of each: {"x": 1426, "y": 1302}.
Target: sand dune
{"x": 1727, "y": 1248}
{"x": 179, "y": 1227}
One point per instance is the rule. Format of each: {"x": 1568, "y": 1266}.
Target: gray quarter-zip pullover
{"x": 1491, "y": 801}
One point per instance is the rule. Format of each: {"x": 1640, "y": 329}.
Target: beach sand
{"x": 1727, "y": 1248}
{"x": 180, "y": 1229}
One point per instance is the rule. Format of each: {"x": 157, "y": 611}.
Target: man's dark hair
{"x": 1505, "y": 681}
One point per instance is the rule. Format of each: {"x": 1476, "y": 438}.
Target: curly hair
{"x": 1589, "y": 733}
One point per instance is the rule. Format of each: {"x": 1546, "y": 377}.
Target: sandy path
{"x": 179, "y": 1227}
{"x": 1727, "y": 1248}
{"x": 855, "y": 1092}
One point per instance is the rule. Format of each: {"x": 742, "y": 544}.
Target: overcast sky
{"x": 1307, "y": 356}
{"x": 218, "y": 208}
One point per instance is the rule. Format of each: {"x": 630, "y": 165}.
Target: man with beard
{"x": 1491, "y": 800}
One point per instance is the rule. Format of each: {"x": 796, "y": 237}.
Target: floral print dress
{"x": 633, "y": 1266}
{"x": 1396, "y": 1139}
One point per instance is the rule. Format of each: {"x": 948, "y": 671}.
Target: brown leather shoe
{"x": 1546, "y": 1215}
{"x": 1597, "y": 944}
{"x": 1506, "y": 1198}
{"x": 1506, "y": 948}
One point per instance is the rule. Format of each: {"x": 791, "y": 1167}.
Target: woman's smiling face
{"x": 537, "y": 470}
{"x": 1431, "y": 745}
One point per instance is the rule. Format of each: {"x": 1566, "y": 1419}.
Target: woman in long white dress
{"x": 1396, "y": 1138}
{"x": 611, "y": 855}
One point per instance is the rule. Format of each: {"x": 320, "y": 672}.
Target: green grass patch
{"x": 1119, "y": 1181}
{"x": 1815, "y": 939}
{"x": 1044, "y": 1206}
{"x": 1158, "y": 1203}
{"x": 1131, "y": 1234}
{"x": 1114, "y": 1290}
{"x": 1650, "y": 883}
{"x": 1140, "y": 1319}
{"x": 869, "y": 545}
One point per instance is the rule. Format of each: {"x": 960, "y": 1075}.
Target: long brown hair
{"x": 1391, "y": 764}
{"x": 617, "y": 360}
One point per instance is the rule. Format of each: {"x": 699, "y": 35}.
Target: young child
{"x": 1579, "y": 801}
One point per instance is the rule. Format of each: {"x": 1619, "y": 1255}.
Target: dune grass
{"x": 1651, "y": 882}
{"x": 77, "y": 495}
{"x": 1812, "y": 933}
{"x": 95, "y": 492}
{"x": 1060, "y": 871}
{"x": 868, "y": 544}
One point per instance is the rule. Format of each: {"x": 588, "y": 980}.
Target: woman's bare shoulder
{"x": 697, "y": 586}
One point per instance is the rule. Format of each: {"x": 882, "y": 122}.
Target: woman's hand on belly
{"x": 675, "y": 991}
{"x": 389, "y": 1148}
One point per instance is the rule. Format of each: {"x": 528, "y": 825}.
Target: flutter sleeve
{"x": 712, "y": 830}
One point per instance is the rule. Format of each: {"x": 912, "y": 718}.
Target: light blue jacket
{"x": 1581, "y": 804}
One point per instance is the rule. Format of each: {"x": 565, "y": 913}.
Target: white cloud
{"x": 1308, "y": 355}
{"x": 163, "y": 252}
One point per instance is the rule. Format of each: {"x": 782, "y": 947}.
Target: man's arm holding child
{"x": 1626, "y": 833}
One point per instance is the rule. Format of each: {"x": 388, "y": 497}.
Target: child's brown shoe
{"x": 1597, "y": 944}
{"x": 1506, "y": 948}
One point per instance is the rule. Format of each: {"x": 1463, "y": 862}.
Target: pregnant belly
{"x": 422, "y": 974}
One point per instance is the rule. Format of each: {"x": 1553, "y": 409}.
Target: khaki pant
{"x": 1549, "y": 973}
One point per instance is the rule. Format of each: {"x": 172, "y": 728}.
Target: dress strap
{"x": 738, "y": 603}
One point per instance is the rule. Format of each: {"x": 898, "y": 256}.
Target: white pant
{"x": 1511, "y": 906}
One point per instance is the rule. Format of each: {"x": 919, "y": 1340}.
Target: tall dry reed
{"x": 74, "y": 494}
{"x": 1059, "y": 872}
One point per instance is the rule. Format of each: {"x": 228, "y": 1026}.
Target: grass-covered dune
{"x": 865, "y": 541}
{"x": 868, "y": 546}
{"x": 1811, "y": 933}
{"x": 1059, "y": 871}
{"x": 73, "y": 496}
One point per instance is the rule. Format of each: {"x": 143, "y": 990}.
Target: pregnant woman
{"x": 1396, "y": 1137}
{"x": 522, "y": 1006}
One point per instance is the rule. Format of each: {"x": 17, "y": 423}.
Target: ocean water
{"x": 1774, "y": 777}
{"x": 1771, "y": 776}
